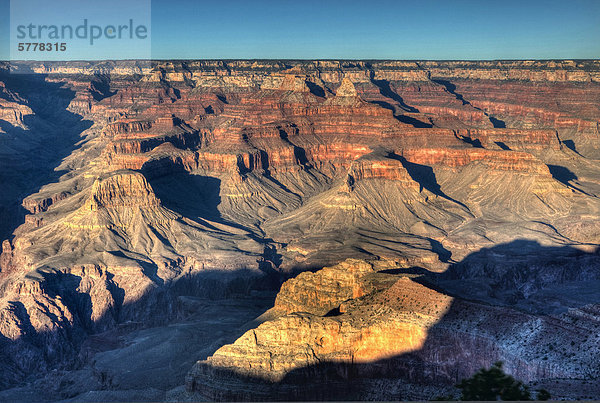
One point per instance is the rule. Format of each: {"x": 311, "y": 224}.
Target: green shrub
{"x": 494, "y": 384}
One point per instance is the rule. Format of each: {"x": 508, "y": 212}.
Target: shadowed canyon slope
{"x": 462, "y": 193}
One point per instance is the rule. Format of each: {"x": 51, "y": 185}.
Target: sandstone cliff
{"x": 353, "y": 323}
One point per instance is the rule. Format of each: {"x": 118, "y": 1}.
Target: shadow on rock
{"x": 483, "y": 324}
{"x": 169, "y": 325}
{"x": 39, "y": 149}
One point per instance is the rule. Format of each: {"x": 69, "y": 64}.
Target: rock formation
{"x": 333, "y": 333}
{"x": 127, "y": 185}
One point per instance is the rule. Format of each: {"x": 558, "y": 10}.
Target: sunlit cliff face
{"x": 377, "y": 316}
{"x": 356, "y": 320}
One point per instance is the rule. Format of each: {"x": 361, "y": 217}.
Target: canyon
{"x": 293, "y": 230}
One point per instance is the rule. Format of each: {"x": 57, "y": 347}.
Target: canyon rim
{"x": 293, "y": 230}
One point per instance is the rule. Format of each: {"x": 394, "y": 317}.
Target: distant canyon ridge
{"x": 406, "y": 223}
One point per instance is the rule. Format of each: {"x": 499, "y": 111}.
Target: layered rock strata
{"x": 127, "y": 184}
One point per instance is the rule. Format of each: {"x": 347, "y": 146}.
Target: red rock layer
{"x": 501, "y": 160}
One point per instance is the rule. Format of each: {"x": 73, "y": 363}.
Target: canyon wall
{"x": 127, "y": 185}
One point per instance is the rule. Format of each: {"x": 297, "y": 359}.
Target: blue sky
{"x": 367, "y": 29}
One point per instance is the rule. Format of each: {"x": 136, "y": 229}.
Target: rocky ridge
{"x": 357, "y": 322}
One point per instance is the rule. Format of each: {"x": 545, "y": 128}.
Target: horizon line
{"x": 306, "y": 60}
